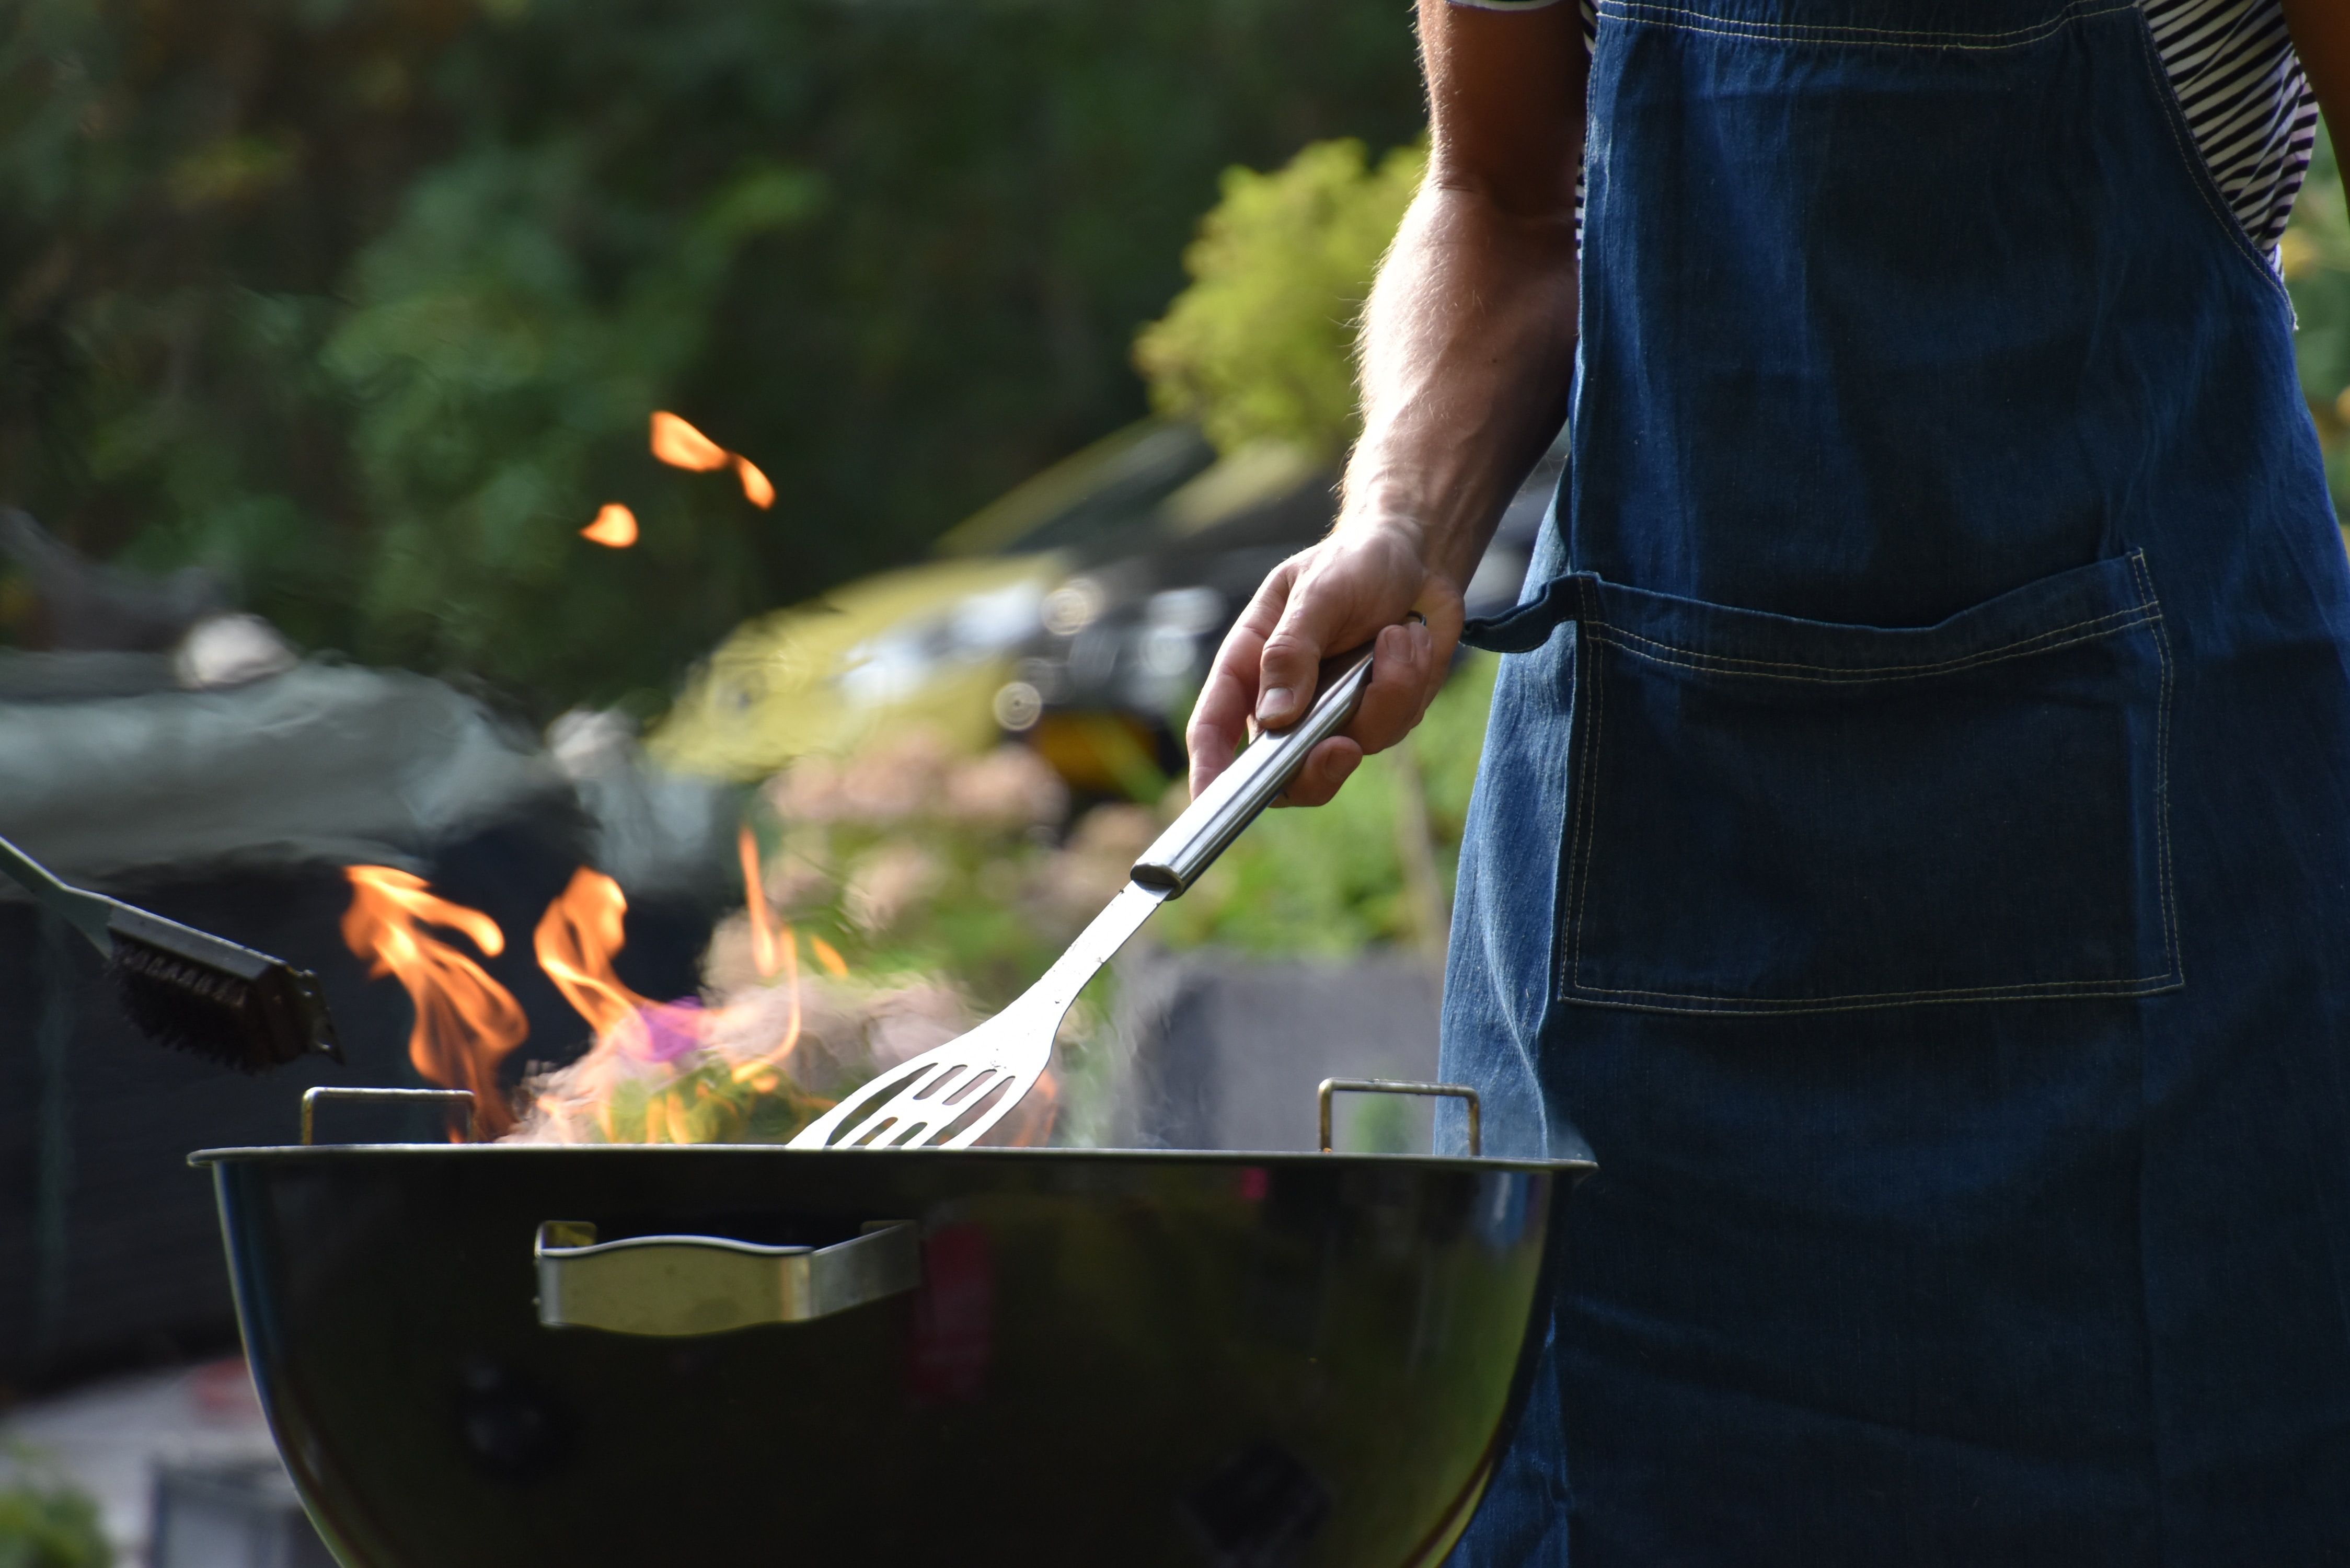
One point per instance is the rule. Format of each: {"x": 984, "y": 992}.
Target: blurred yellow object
{"x": 1110, "y": 753}
{"x": 933, "y": 646}
{"x": 930, "y": 645}
{"x": 2297, "y": 254}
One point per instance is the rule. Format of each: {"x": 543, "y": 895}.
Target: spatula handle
{"x": 1254, "y": 781}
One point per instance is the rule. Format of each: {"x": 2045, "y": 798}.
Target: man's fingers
{"x": 1326, "y": 769}
{"x": 1323, "y": 602}
{"x": 1290, "y": 668}
{"x": 1220, "y": 718}
{"x": 1403, "y": 660}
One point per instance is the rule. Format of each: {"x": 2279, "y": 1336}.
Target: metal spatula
{"x": 948, "y": 1098}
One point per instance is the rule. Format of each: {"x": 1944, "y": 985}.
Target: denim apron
{"x": 1912, "y": 849}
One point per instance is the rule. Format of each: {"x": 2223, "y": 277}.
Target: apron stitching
{"x": 2199, "y": 171}
{"x": 2051, "y": 990}
{"x": 1868, "y": 37}
{"x": 1598, "y": 689}
{"x": 1760, "y": 670}
{"x": 2161, "y": 773}
{"x": 2013, "y": 988}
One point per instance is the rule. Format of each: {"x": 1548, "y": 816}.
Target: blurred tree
{"x": 2317, "y": 258}
{"x": 366, "y": 301}
{"x": 45, "y": 1523}
{"x": 1260, "y": 346}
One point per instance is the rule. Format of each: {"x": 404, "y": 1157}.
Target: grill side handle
{"x": 452, "y": 1098}
{"x": 680, "y": 1287}
{"x": 1460, "y": 1091}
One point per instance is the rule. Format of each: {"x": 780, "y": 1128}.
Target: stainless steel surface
{"x": 1333, "y": 1086}
{"x": 988, "y": 1069}
{"x": 85, "y": 912}
{"x": 1253, "y": 782}
{"x": 681, "y": 1286}
{"x": 950, "y": 1097}
{"x": 310, "y": 1098}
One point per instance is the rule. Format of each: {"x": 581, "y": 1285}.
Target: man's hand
{"x": 1468, "y": 350}
{"x": 1357, "y": 585}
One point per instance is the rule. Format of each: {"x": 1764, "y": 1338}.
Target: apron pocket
{"x": 1780, "y": 816}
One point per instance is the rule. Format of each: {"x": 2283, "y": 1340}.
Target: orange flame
{"x": 1032, "y": 1122}
{"x": 769, "y": 955}
{"x": 754, "y": 901}
{"x": 679, "y": 445}
{"x": 615, "y": 526}
{"x": 575, "y": 940}
{"x": 466, "y": 1023}
{"x": 756, "y": 486}
{"x": 666, "y": 1073}
{"x": 763, "y": 1068}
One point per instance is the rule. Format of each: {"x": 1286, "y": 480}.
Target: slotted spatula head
{"x": 949, "y": 1098}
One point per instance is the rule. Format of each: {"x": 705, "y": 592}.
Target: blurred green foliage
{"x": 911, "y": 858}
{"x": 2316, "y": 256}
{"x": 366, "y": 302}
{"x": 1260, "y": 346}
{"x": 48, "y": 1523}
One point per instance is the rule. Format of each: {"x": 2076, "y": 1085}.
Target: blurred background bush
{"x": 2316, "y": 260}
{"x": 46, "y": 1521}
{"x": 364, "y": 303}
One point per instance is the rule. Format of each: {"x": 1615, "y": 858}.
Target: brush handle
{"x": 85, "y": 912}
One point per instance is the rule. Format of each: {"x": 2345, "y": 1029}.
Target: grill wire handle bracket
{"x": 310, "y": 1098}
{"x": 680, "y": 1287}
{"x": 1333, "y": 1086}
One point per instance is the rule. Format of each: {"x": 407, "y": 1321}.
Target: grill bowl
{"x": 1128, "y": 1358}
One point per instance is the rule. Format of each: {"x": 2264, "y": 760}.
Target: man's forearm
{"x": 1468, "y": 343}
{"x": 1467, "y": 356}
{"x": 1468, "y": 351}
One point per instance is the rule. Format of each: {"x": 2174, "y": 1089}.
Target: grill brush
{"x": 187, "y": 990}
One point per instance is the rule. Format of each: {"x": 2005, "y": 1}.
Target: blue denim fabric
{"x": 1912, "y": 850}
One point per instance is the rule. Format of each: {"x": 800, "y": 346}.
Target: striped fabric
{"x": 2254, "y": 117}
{"x": 2232, "y": 67}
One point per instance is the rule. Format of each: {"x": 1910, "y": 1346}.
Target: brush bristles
{"x": 250, "y": 1021}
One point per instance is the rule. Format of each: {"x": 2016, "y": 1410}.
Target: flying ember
{"x": 615, "y": 527}
{"x": 756, "y": 486}
{"x": 679, "y": 445}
